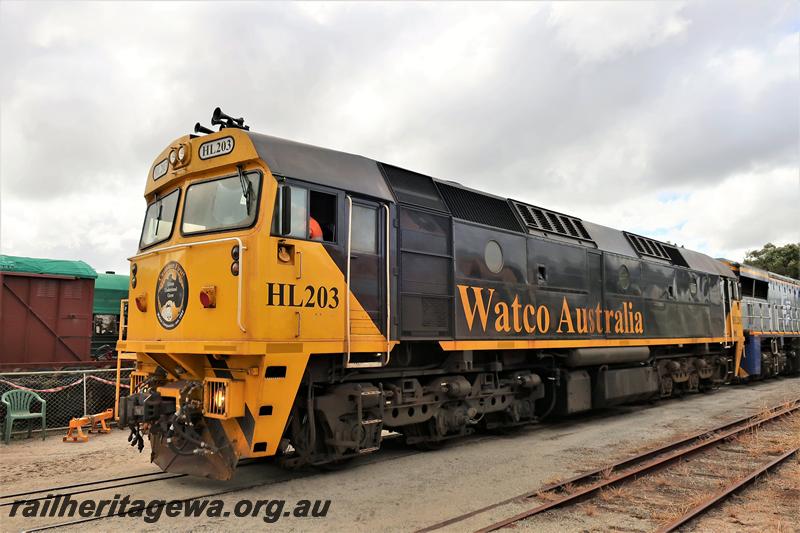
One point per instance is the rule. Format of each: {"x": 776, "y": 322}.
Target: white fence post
{"x": 84, "y": 395}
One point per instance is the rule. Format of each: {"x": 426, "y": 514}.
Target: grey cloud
{"x": 97, "y": 90}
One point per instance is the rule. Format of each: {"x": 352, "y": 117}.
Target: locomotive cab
{"x": 242, "y": 272}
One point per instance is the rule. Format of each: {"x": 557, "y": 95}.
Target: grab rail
{"x": 347, "y": 276}
{"x": 387, "y": 250}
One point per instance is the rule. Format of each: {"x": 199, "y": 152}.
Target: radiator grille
{"x": 435, "y": 312}
{"x": 413, "y": 189}
{"x": 480, "y": 208}
{"x": 551, "y": 222}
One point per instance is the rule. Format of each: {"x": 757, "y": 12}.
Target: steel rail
{"x": 637, "y": 471}
{"x": 50, "y": 496}
{"x": 727, "y": 491}
{"x": 100, "y": 484}
{"x": 85, "y": 484}
{"x": 595, "y": 474}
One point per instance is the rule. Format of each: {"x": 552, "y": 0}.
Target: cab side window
{"x": 322, "y": 210}
{"x": 365, "y": 229}
{"x": 313, "y": 215}
{"x": 299, "y": 213}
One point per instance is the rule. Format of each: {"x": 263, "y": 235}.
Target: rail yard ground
{"x": 401, "y": 489}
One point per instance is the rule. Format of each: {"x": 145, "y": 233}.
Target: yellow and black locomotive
{"x": 294, "y": 301}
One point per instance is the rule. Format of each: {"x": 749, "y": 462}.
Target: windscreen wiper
{"x": 245, "y": 188}
{"x": 158, "y": 216}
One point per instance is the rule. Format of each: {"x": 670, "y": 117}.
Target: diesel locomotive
{"x": 293, "y": 301}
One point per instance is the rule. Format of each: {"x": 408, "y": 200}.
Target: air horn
{"x": 199, "y": 128}
{"x": 227, "y": 121}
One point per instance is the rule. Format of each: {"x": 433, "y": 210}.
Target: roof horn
{"x": 199, "y": 128}
{"x": 226, "y": 121}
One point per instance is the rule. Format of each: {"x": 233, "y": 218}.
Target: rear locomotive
{"x": 298, "y": 302}
{"x": 770, "y": 320}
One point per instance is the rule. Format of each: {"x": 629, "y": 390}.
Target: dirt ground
{"x": 400, "y": 489}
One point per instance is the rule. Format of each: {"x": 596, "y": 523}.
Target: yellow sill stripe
{"x": 576, "y": 343}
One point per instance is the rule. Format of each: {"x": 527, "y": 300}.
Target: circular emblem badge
{"x": 172, "y": 295}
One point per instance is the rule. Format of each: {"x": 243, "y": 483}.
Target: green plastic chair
{"x": 18, "y": 407}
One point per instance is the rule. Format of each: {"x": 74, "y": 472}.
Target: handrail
{"x": 347, "y": 276}
{"x": 123, "y": 320}
{"x": 387, "y": 249}
{"x": 730, "y": 306}
{"x": 348, "y": 340}
{"x": 242, "y": 248}
{"x": 724, "y": 313}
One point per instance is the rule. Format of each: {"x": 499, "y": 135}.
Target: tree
{"x": 779, "y": 259}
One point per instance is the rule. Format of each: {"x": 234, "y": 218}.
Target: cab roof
{"x": 331, "y": 168}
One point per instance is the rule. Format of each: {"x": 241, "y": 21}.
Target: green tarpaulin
{"x": 52, "y": 267}
{"x": 109, "y": 289}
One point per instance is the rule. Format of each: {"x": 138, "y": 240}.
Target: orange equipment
{"x": 78, "y": 423}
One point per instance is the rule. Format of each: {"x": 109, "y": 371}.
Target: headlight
{"x": 223, "y": 398}
{"x": 173, "y": 156}
{"x": 219, "y": 400}
{"x": 181, "y": 153}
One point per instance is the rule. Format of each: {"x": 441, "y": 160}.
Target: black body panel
{"x": 555, "y": 290}
{"x": 426, "y": 266}
{"x": 559, "y": 277}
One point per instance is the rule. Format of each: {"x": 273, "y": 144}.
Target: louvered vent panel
{"x": 544, "y": 224}
{"x": 551, "y": 222}
{"x": 527, "y": 217}
{"x": 569, "y": 225}
{"x": 652, "y": 248}
{"x": 480, "y": 208}
{"x": 557, "y": 225}
{"x": 582, "y": 229}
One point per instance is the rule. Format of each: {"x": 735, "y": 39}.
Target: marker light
{"x": 173, "y": 157}
{"x": 235, "y": 268}
{"x": 141, "y": 302}
{"x": 182, "y": 153}
{"x": 208, "y": 297}
{"x": 235, "y": 252}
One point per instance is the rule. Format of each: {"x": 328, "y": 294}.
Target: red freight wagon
{"x": 45, "y": 312}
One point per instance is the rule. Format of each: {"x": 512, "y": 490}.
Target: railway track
{"x": 86, "y": 487}
{"x": 630, "y": 486}
{"x": 251, "y": 480}
{"x": 256, "y": 479}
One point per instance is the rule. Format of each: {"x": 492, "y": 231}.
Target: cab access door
{"x": 368, "y": 306}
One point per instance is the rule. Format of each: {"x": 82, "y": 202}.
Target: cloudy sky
{"x": 674, "y": 120}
